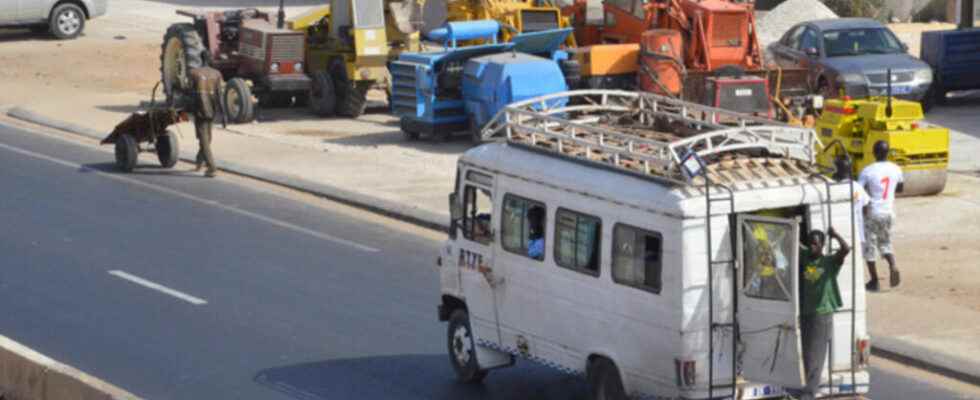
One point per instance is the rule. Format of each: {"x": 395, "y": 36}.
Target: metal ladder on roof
{"x": 731, "y": 264}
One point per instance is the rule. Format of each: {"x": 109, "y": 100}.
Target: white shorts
{"x": 878, "y": 236}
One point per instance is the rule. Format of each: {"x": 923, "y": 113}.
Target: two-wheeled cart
{"x": 146, "y": 131}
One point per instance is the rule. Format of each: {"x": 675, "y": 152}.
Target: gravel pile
{"x": 776, "y": 21}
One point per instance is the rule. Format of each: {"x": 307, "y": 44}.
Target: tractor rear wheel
{"x": 168, "y": 150}
{"x": 127, "y": 150}
{"x": 238, "y": 101}
{"x": 181, "y": 51}
{"x": 323, "y": 95}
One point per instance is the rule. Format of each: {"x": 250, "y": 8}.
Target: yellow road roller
{"x": 919, "y": 148}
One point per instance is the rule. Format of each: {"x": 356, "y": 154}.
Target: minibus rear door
{"x": 768, "y": 300}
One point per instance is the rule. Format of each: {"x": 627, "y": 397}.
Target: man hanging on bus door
{"x": 820, "y": 299}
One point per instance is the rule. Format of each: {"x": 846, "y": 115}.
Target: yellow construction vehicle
{"x": 348, "y": 46}
{"x": 516, "y": 16}
{"x": 920, "y": 149}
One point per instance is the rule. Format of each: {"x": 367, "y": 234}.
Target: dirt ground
{"x": 117, "y": 61}
{"x": 936, "y": 242}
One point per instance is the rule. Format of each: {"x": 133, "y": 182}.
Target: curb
{"x": 413, "y": 215}
{"x": 909, "y": 353}
{"x": 27, "y": 374}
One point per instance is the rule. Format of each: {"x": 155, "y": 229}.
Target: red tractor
{"x": 259, "y": 59}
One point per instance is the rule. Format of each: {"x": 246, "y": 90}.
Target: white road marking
{"x": 158, "y": 287}
{"x": 161, "y": 189}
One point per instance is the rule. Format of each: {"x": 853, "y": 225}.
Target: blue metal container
{"x": 955, "y": 59}
{"x": 453, "y": 32}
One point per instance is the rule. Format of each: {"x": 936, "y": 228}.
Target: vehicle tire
{"x": 168, "y": 149}
{"x": 323, "y": 95}
{"x": 476, "y": 135}
{"x": 462, "y": 351}
{"x": 410, "y": 133}
{"x": 238, "y": 101}
{"x": 604, "y": 380}
{"x": 66, "y": 21}
{"x": 127, "y": 150}
{"x": 935, "y": 95}
{"x": 181, "y": 51}
{"x": 354, "y": 101}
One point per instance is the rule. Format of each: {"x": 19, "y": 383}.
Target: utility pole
{"x": 966, "y": 14}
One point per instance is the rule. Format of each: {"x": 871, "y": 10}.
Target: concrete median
{"x": 28, "y": 375}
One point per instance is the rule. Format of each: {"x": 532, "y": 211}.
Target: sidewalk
{"x": 88, "y": 85}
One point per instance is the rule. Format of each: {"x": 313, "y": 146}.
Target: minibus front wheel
{"x": 462, "y": 349}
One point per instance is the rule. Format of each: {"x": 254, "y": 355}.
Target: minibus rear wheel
{"x": 462, "y": 350}
{"x": 604, "y": 380}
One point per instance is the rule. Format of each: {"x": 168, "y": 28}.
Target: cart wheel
{"x": 168, "y": 150}
{"x": 408, "y": 130}
{"x": 238, "y": 101}
{"x": 126, "y": 153}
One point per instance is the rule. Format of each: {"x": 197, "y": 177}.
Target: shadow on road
{"x": 22, "y": 35}
{"x": 145, "y": 167}
{"x": 404, "y": 377}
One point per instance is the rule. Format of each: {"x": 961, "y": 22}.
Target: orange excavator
{"x": 706, "y": 51}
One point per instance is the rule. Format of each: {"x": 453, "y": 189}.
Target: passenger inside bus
{"x": 535, "y": 246}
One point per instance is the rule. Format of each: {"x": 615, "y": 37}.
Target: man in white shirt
{"x": 882, "y": 180}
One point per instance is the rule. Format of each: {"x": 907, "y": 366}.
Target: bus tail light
{"x": 686, "y": 372}
{"x": 863, "y": 352}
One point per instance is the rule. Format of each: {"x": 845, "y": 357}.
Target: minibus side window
{"x": 522, "y": 227}
{"x": 477, "y": 209}
{"x": 577, "y": 238}
{"x": 637, "y": 258}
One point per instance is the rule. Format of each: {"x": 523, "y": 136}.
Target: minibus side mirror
{"x": 455, "y": 213}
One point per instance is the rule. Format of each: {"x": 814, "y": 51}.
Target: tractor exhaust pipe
{"x": 281, "y": 18}
{"x": 888, "y": 93}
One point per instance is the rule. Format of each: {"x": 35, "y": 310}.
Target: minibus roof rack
{"x": 650, "y": 135}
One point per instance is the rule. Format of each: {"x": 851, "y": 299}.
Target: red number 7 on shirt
{"x": 886, "y": 182}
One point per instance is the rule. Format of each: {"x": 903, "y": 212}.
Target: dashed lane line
{"x": 197, "y": 301}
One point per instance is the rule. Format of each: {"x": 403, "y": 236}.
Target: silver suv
{"x": 65, "y": 19}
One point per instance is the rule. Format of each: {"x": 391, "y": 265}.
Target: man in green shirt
{"x": 819, "y": 298}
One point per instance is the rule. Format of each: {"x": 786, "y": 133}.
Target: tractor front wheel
{"x": 238, "y": 101}
{"x": 127, "y": 150}
{"x": 323, "y": 95}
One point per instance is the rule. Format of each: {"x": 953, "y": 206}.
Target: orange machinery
{"x": 699, "y": 50}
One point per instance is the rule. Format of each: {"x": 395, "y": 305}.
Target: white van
{"x": 579, "y": 241}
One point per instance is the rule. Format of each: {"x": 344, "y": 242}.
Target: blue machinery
{"x": 460, "y": 88}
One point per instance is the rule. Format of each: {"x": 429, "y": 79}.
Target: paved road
{"x": 269, "y": 297}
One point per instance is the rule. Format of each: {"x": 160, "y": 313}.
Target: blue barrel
{"x": 452, "y": 32}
